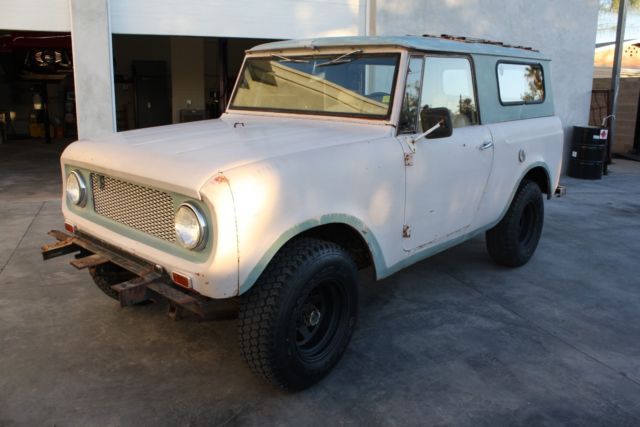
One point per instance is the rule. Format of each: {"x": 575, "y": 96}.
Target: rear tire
{"x": 514, "y": 240}
{"x": 296, "y": 322}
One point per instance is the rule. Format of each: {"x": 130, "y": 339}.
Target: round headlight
{"x": 76, "y": 189}
{"x": 191, "y": 227}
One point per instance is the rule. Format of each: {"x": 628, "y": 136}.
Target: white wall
{"x": 35, "y": 15}
{"x": 211, "y": 18}
{"x": 92, "y": 67}
{"x": 564, "y": 31}
{"x": 238, "y": 18}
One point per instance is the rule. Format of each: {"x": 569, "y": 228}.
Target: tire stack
{"x": 588, "y": 151}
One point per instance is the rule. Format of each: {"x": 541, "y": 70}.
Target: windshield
{"x": 352, "y": 84}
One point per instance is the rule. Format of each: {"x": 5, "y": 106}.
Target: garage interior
{"x": 37, "y": 98}
{"x": 158, "y": 80}
{"x": 170, "y": 79}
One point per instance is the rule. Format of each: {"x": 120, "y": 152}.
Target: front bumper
{"x": 150, "y": 281}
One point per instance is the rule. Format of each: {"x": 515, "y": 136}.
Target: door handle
{"x": 485, "y": 145}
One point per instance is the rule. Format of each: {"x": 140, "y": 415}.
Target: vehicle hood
{"x": 183, "y": 157}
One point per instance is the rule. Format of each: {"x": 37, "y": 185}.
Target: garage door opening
{"x": 161, "y": 80}
{"x": 37, "y": 98}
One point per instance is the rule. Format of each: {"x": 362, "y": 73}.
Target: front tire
{"x": 296, "y": 322}
{"x": 108, "y": 274}
{"x": 514, "y": 240}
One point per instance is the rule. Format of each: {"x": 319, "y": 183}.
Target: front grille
{"x": 142, "y": 208}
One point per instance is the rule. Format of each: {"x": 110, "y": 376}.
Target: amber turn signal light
{"x": 181, "y": 279}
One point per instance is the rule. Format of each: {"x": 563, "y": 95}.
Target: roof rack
{"x": 478, "y": 40}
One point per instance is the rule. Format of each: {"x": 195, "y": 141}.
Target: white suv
{"x": 334, "y": 155}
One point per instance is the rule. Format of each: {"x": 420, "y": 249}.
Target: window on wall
{"x": 520, "y": 83}
{"x": 448, "y": 82}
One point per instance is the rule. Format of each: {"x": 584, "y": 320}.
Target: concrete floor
{"x": 453, "y": 340}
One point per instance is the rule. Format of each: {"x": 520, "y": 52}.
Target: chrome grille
{"x": 142, "y": 208}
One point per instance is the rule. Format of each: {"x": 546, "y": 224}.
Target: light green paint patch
{"x": 381, "y": 268}
{"x": 174, "y": 248}
{"x": 491, "y": 110}
{"x": 361, "y": 228}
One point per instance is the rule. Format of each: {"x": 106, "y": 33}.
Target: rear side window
{"x": 520, "y": 83}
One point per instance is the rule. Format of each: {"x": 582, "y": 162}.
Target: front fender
{"x": 353, "y": 222}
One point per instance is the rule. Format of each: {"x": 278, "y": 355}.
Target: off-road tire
{"x": 514, "y": 240}
{"x": 108, "y": 274}
{"x": 306, "y": 275}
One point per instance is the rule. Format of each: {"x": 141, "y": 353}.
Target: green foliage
{"x": 613, "y": 4}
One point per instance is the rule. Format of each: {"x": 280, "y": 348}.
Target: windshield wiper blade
{"x": 340, "y": 59}
{"x": 284, "y": 58}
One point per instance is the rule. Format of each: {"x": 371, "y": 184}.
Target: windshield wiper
{"x": 284, "y": 58}
{"x": 340, "y": 59}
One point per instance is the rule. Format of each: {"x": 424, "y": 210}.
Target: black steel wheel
{"x": 295, "y": 323}
{"x": 514, "y": 240}
{"x": 318, "y": 319}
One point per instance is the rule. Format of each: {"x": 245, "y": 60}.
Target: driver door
{"x": 447, "y": 176}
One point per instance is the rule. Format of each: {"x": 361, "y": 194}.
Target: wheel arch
{"x": 346, "y": 236}
{"x": 344, "y": 230}
{"x": 539, "y": 174}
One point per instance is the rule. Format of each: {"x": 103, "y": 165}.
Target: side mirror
{"x": 431, "y": 117}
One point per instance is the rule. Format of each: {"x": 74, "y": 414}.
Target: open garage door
{"x": 172, "y": 79}
{"x": 37, "y": 98}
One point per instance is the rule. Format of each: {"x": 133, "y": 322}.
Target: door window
{"x": 411, "y": 102}
{"x": 448, "y": 83}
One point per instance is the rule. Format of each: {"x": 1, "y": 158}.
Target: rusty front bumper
{"x": 149, "y": 283}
